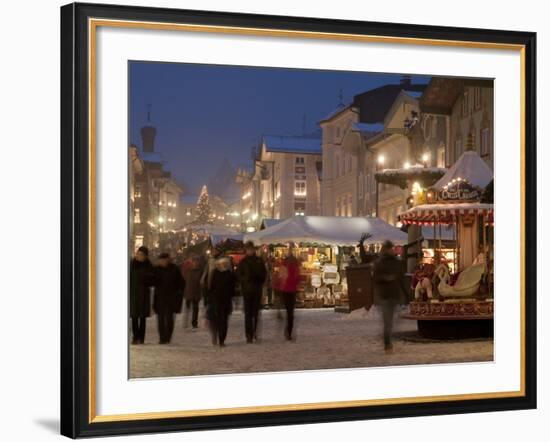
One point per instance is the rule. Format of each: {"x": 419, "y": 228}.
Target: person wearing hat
{"x": 169, "y": 287}
{"x": 389, "y": 287}
{"x": 192, "y": 293}
{"x": 141, "y": 281}
{"x": 251, "y": 274}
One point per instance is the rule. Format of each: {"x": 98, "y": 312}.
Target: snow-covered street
{"x": 324, "y": 339}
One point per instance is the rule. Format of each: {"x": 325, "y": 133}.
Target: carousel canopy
{"x": 444, "y": 213}
{"x": 469, "y": 167}
{"x": 327, "y": 230}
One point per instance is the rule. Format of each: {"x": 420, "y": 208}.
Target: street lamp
{"x": 425, "y": 159}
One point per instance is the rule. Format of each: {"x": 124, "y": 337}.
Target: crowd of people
{"x": 215, "y": 281}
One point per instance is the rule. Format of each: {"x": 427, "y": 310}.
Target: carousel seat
{"x": 466, "y": 285}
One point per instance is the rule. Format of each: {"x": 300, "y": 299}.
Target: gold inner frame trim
{"x": 93, "y": 24}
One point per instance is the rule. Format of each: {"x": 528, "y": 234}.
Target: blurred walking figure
{"x": 252, "y": 274}
{"x": 288, "y": 281}
{"x": 206, "y": 287}
{"x": 141, "y": 280}
{"x": 389, "y": 288}
{"x": 220, "y": 303}
{"x": 169, "y": 287}
{"x": 192, "y": 293}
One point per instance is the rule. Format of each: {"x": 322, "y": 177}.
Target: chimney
{"x": 405, "y": 80}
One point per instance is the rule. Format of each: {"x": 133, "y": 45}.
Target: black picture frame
{"x": 75, "y": 220}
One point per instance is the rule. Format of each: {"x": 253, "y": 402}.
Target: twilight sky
{"x": 205, "y": 113}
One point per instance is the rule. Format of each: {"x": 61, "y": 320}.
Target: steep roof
{"x": 290, "y": 144}
{"x": 373, "y": 105}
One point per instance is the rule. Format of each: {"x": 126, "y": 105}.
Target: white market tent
{"x": 217, "y": 233}
{"x": 328, "y": 230}
{"x": 469, "y": 167}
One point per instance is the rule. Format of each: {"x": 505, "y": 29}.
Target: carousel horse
{"x": 467, "y": 283}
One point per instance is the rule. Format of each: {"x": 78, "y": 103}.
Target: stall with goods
{"x": 325, "y": 245}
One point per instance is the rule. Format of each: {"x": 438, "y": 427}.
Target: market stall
{"x": 325, "y": 245}
{"x": 454, "y": 298}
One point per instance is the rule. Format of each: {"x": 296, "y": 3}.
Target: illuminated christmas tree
{"x": 204, "y": 210}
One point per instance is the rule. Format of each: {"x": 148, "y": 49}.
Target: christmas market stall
{"x": 454, "y": 293}
{"x": 325, "y": 245}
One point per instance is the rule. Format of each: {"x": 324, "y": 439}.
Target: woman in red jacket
{"x": 288, "y": 281}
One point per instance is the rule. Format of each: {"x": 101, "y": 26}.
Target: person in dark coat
{"x": 288, "y": 283}
{"x": 169, "y": 287}
{"x": 389, "y": 287}
{"x": 251, "y": 273}
{"x": 192, "y": 293}
{"x": 220, "y": 305}
{"x": 141, "y": 280}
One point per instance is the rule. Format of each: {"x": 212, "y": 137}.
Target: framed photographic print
{"x": 280, "y": 220}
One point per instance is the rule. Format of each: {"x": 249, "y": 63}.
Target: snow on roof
{"x": 368, "y": 127}
{"x": 341, "y": 107}
{"x": 414, "y": 94}
{"x": 470, "y": 167}
{"x": 290, "y": 144}
{"x": 328, "y": 230}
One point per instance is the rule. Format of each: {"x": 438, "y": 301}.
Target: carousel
{"x": 453, "y": 293}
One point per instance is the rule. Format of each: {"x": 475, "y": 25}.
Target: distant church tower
{"x": 148, "y": 133}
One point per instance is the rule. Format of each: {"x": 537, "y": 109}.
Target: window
{"x": 299, "y": 208}
{"x": 300, "y": 160}
{"x": 343, "y": 208}
{"x": 477, "y": 98}
{"x": 137, "y": 191}
{"x": 350, "y": 205}
{"x": 485, "y": 142}
{"x": 465, "y": 105}
{"x": 441, "y": 156}
{"x": 137, "y": 217}
{"x": 300, "y": 188}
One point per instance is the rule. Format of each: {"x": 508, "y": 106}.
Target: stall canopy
{"x": 217, "y": 234}
{"x": 328, "y": 230}
{"x": 470, "y": 167}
